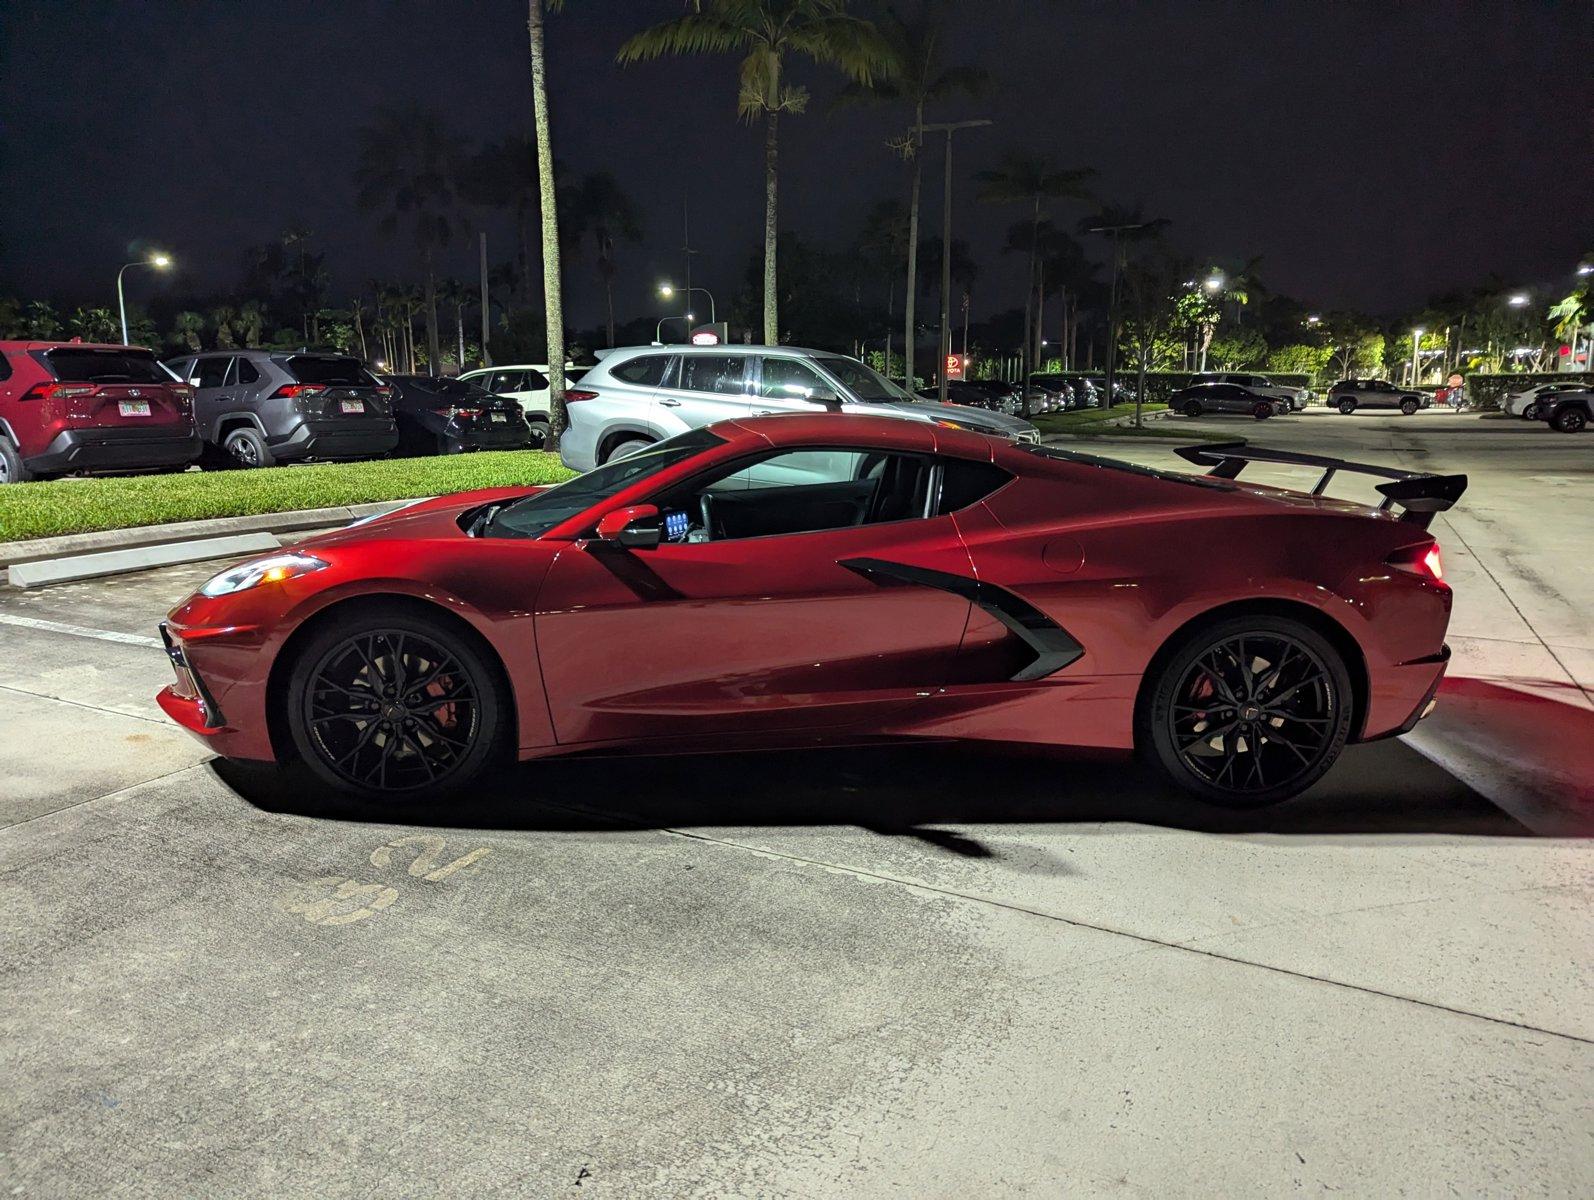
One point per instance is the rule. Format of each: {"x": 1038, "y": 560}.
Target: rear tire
{"x": 626, "y": 448}
{"x": 246, "y": 448}
{"x": 1569, "y": 420}
{"x": 12, "y": 468}
{"x": 1262, "y": 411}
{"x": 362, "y": 730}
{"x": 539, "y": 433}
{"x": 1530, "y": 413}
{"x": 1347, "y": 407}
{"x": 1247, "y": 711}
{"x": 1193, "y": 408}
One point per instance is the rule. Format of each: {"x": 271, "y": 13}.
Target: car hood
{"x": 435, "y": 517}
{"x": 981, "y": 419}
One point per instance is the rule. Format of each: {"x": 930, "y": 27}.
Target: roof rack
{"x": 1420, "y": 494}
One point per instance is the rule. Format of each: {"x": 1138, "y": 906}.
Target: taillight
{"x": 1421, "y": 559}
{"x": 574, "y": 394}
{"x": 63, "y": 391}
{"x": 384, "y": 392}
{"x": 289, "y": 390}
{"x": 462, "y": 412}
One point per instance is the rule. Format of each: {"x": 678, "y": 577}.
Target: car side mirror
{"x": 636, "y": 527}
{"x": 193, "y": 381}
{"x": 824, "y": 397}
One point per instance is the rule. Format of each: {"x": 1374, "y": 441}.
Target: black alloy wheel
{"x": 1192, "y": 408}
{"x": 1570, "y": 420}
{"x": 1250, "y": 712}
{"x": 394, "y": 705}
{"x": 1347, "y": 406}
{"x": 1262, "y": 411}
{"x": 1409, "y": 407}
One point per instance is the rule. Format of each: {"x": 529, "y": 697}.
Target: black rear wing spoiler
{"x": 1419, "y": 493}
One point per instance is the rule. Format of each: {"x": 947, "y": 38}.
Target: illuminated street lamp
{"x": 159, "y": 261}
{"x": 669, "y": 289}
{"x": 1214, "y": 283}
{"x": 1585, "y": 269}
{"x": 1314, "y": 319}
{"x": 1518, "y": 300}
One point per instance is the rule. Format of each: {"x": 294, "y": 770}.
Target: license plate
{"x": 354, "y": 406}
{"x": 133, "y": 408}
{"x": 500, "y": 418}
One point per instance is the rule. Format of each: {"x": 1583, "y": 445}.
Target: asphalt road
{"x": 938, "y": 972}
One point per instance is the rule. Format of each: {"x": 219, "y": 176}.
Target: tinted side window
{"x": 5, "y": 366}
{"x": 246, "y": 372}
{"x": 647, "y": 371}
{"x": 964, "y": 482}
{"x": 713, "y": 373}
{"x": 213, "y": 372}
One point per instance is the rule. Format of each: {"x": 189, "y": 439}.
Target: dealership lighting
{"x": 1518, "y": 300}
{"x": 1586, "y": 269}
{"x": 159, "y": 261}
{"x": 1214, "y": 283}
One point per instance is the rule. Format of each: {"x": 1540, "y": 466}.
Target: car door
{"x": 705, "y": 388}
{"x": 789, "y": 630}
{"x": 786, "y": 384}
{"x": 212, "y": 392}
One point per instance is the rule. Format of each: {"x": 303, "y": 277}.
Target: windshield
{"x": 536, "y": 515}
{"x": 861, "y": 381}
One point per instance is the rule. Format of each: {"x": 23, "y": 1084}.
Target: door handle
{"x": 764, "y": 412}
{"x": 668, "y": 403}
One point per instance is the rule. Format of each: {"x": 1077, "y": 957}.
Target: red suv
{"x": 73, "y": 406}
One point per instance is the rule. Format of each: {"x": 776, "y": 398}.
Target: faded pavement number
{"x": 334, "y": 900}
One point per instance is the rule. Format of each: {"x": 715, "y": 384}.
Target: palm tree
{"x": 250, "y": 322}
{"x": 547, "y": 193}
{"x": 1125, "y": 226}
{"x": 406, "y": 170}
{"x": 1032, "y": 181}
{"x": 504, "y": 175}
{"x": 604, "y": 210}
{"x": 186, "y": 327}
{"x": 224, "y": 317}
{"x": 916, "y": 79}
{"x": 764, "y": 32}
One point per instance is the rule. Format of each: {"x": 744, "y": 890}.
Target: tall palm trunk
{"x": 608, "y": 294}
{"x": 1026, "y": 363}
{"x": 913, "y": 242}
{"x": 553, "y": 299}
{"x": 771, "y": 313}
{"x": 432, "y": 343}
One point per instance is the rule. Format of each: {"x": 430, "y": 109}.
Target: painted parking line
{"x": 83, "y": 631}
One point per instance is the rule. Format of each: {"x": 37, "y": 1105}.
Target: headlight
{"x": 275, "y": 569}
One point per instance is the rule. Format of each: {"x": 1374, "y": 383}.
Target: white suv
{"x": 527, "y": 385}
{"x": 642, "y": 394}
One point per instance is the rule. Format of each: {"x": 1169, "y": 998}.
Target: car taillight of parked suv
{"x": 70, "y": 407}
{"x": 256, "y": 408}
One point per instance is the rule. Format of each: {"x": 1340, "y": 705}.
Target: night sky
{"x": 1372, "y": 153}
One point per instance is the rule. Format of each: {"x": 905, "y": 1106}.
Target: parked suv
{"x": 1527, "y": 403}
{"x": 641, "y": 394}
{"x": 527, "y": 385}
{"x": 256, "y": 408}
{"x": 73, "y": 406}
{"x": 1348, "y": 395}
{"x": 1293, "y": 397}
{"x": 1568, "y": 410}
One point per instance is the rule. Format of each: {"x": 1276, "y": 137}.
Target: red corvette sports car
{"x": 795, "y": 580}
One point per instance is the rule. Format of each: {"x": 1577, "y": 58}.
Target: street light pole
{"x": 159, "y": 261}
{"x": 667, "y": 290}
{"x": 658, "y": 330}
{"x": 1416, "y": 341}
{"x": 945, "y": 343}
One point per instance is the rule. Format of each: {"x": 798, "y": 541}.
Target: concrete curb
{"x": 138, "y": 558}
{"x": 36, "y": 549}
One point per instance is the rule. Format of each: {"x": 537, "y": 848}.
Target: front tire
{"x": 1569, "y": 420}
{"x": 1346, "y": 407}
{"x": 1262, "y": 411}
{"x": 1247, "y": 712}
{"x": 1409, "y": 407}
{"x": 387, "y": 704}
{"x": 1193, "y": 408}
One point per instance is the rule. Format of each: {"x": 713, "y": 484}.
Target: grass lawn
{"x": 31, "y": 510}
{"x": 1094, "y": 422}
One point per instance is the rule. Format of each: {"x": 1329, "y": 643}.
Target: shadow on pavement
{"x": 1386, "y": 788}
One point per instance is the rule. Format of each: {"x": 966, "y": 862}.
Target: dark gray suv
{"x": 255, "y": 408}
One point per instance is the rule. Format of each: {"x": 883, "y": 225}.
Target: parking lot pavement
{"x": 934, "y": 972}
